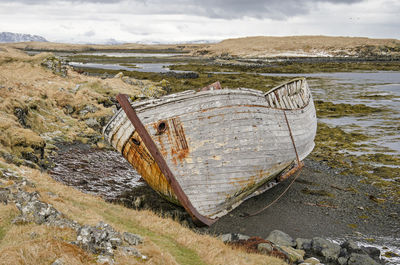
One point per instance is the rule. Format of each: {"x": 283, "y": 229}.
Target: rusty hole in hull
{"x": 161, "y": 127}
{"x": 135, "y": 141}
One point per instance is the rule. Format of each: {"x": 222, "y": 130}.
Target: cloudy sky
{"x": 91, "y": 21}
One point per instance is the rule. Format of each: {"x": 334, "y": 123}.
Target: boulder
{"x": 328, "y": 250}
{"x": 303, "y": 243}
{"x": 373, "y": 252}
{"x": 232, "y": 237}
{"x": 106, "y": 260}
{"x": 294, "y": 255}
{"x": 351, "y": 247}
{"x": 132, "y": 252}
{"x": 361, "y": 259}
{"x": 281, "y": 238}
{"x": 265, "y": 248}
{"x": 311, "y": 261}
{"x": 101, "y": 239}
{"x": 132, "y": 239}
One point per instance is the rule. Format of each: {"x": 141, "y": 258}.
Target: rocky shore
{"x": 101, "y": 239}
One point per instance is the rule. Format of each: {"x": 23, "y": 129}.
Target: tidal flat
{"x": 356, "y": 101}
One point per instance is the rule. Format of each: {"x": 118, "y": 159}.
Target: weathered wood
{"x": 220, "y": 145}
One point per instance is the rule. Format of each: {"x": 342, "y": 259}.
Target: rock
{"x": 56, "y": 65}
{"x": 40, "y": 212}
{"x": 132, "y": 239}
{"x": 101, "y": 239}
{"x": 361, "y": 259}
{"x": 58, "y": 262}
{"x": 4, "y": 195}
{"x": 119, "y": 75}
{"x": 21, "y": 114}
{"x": 265, "y": 248}
{"x": 232, "y": 237}
{"x": 294, "y": 255}
{"x": 280, "y": 238}
{"x": 326, "y": 249}
{"x": 351, "y": 247}
{"x": 93, "y": 123}
{"x": 33, "y": 235}
{"x": 132, "y": 252}
{"x": 342, "y": 260}
{"x": 303, "y": 243}
{"x": 105, "y": 260}
{"x": 88, "y": 109}
{"x": 373, "y": 252}
{"x": 68, "y": 109}
{"x": 311, "y": 261}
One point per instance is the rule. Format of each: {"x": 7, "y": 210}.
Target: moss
{"x": 263, "y": 83}
{"x": 292, "y": 67}
{"x": 331, "y": 146}
{"x": 329, "y": 109}
{"x": 391, "y": 254}
{"x": 352, "y": 226}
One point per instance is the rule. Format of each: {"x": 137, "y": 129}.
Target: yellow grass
{"x": 166, "y": 241}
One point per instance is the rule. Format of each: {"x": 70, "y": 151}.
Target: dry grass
{"x": 294, "y": 46}
{"x": 26, "y": 85}
{"x": 38, "y": 90}
{"x": 166, "y": 241}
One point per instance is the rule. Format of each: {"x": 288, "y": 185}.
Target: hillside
{"x": 264, "y": 46}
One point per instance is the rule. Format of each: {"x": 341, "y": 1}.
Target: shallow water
{"x": 140, "y": 67}
{"x": 379, "y": 90}
{"x": 131, "y": 54}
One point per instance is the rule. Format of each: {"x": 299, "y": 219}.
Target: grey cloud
{"x": 227, "y": 9}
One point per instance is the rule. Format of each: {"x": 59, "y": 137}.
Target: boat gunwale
{"x": 142, "y": 106}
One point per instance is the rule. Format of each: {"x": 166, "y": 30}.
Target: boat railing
{"x": 294, "y": 94}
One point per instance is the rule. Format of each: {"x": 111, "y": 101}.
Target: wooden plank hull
{"x": 220, "y": 145}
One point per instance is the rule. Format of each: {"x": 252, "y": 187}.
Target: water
{"x": 131, "y": 54}
{"x": 140, "y": 67}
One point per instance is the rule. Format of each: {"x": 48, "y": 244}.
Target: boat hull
{"x": 220, "y": 145}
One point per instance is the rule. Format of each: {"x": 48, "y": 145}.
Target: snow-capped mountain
{"x": 19, "y": 37}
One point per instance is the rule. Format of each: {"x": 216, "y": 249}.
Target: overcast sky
{"x": 92, "y": 21}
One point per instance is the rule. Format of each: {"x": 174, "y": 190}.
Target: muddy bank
{"x": 320, "y": 203}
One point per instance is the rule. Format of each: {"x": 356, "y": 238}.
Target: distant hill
{"x": 307, "y": 46}
{"x": 19, "y": 37}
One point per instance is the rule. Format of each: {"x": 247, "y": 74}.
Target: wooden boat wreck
{"x": 212, "y": 149}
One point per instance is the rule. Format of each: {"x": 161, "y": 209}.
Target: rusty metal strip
{"x": 291, "y": 137}
{"x": 162, "y": 164}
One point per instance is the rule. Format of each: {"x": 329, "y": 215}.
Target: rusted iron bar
{"x": 162, "y": 164}
{"x": 291, "y": 137}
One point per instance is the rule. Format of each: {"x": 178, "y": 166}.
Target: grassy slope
{"x": 264, "y": 46}
{"x": 39, "y": 90}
